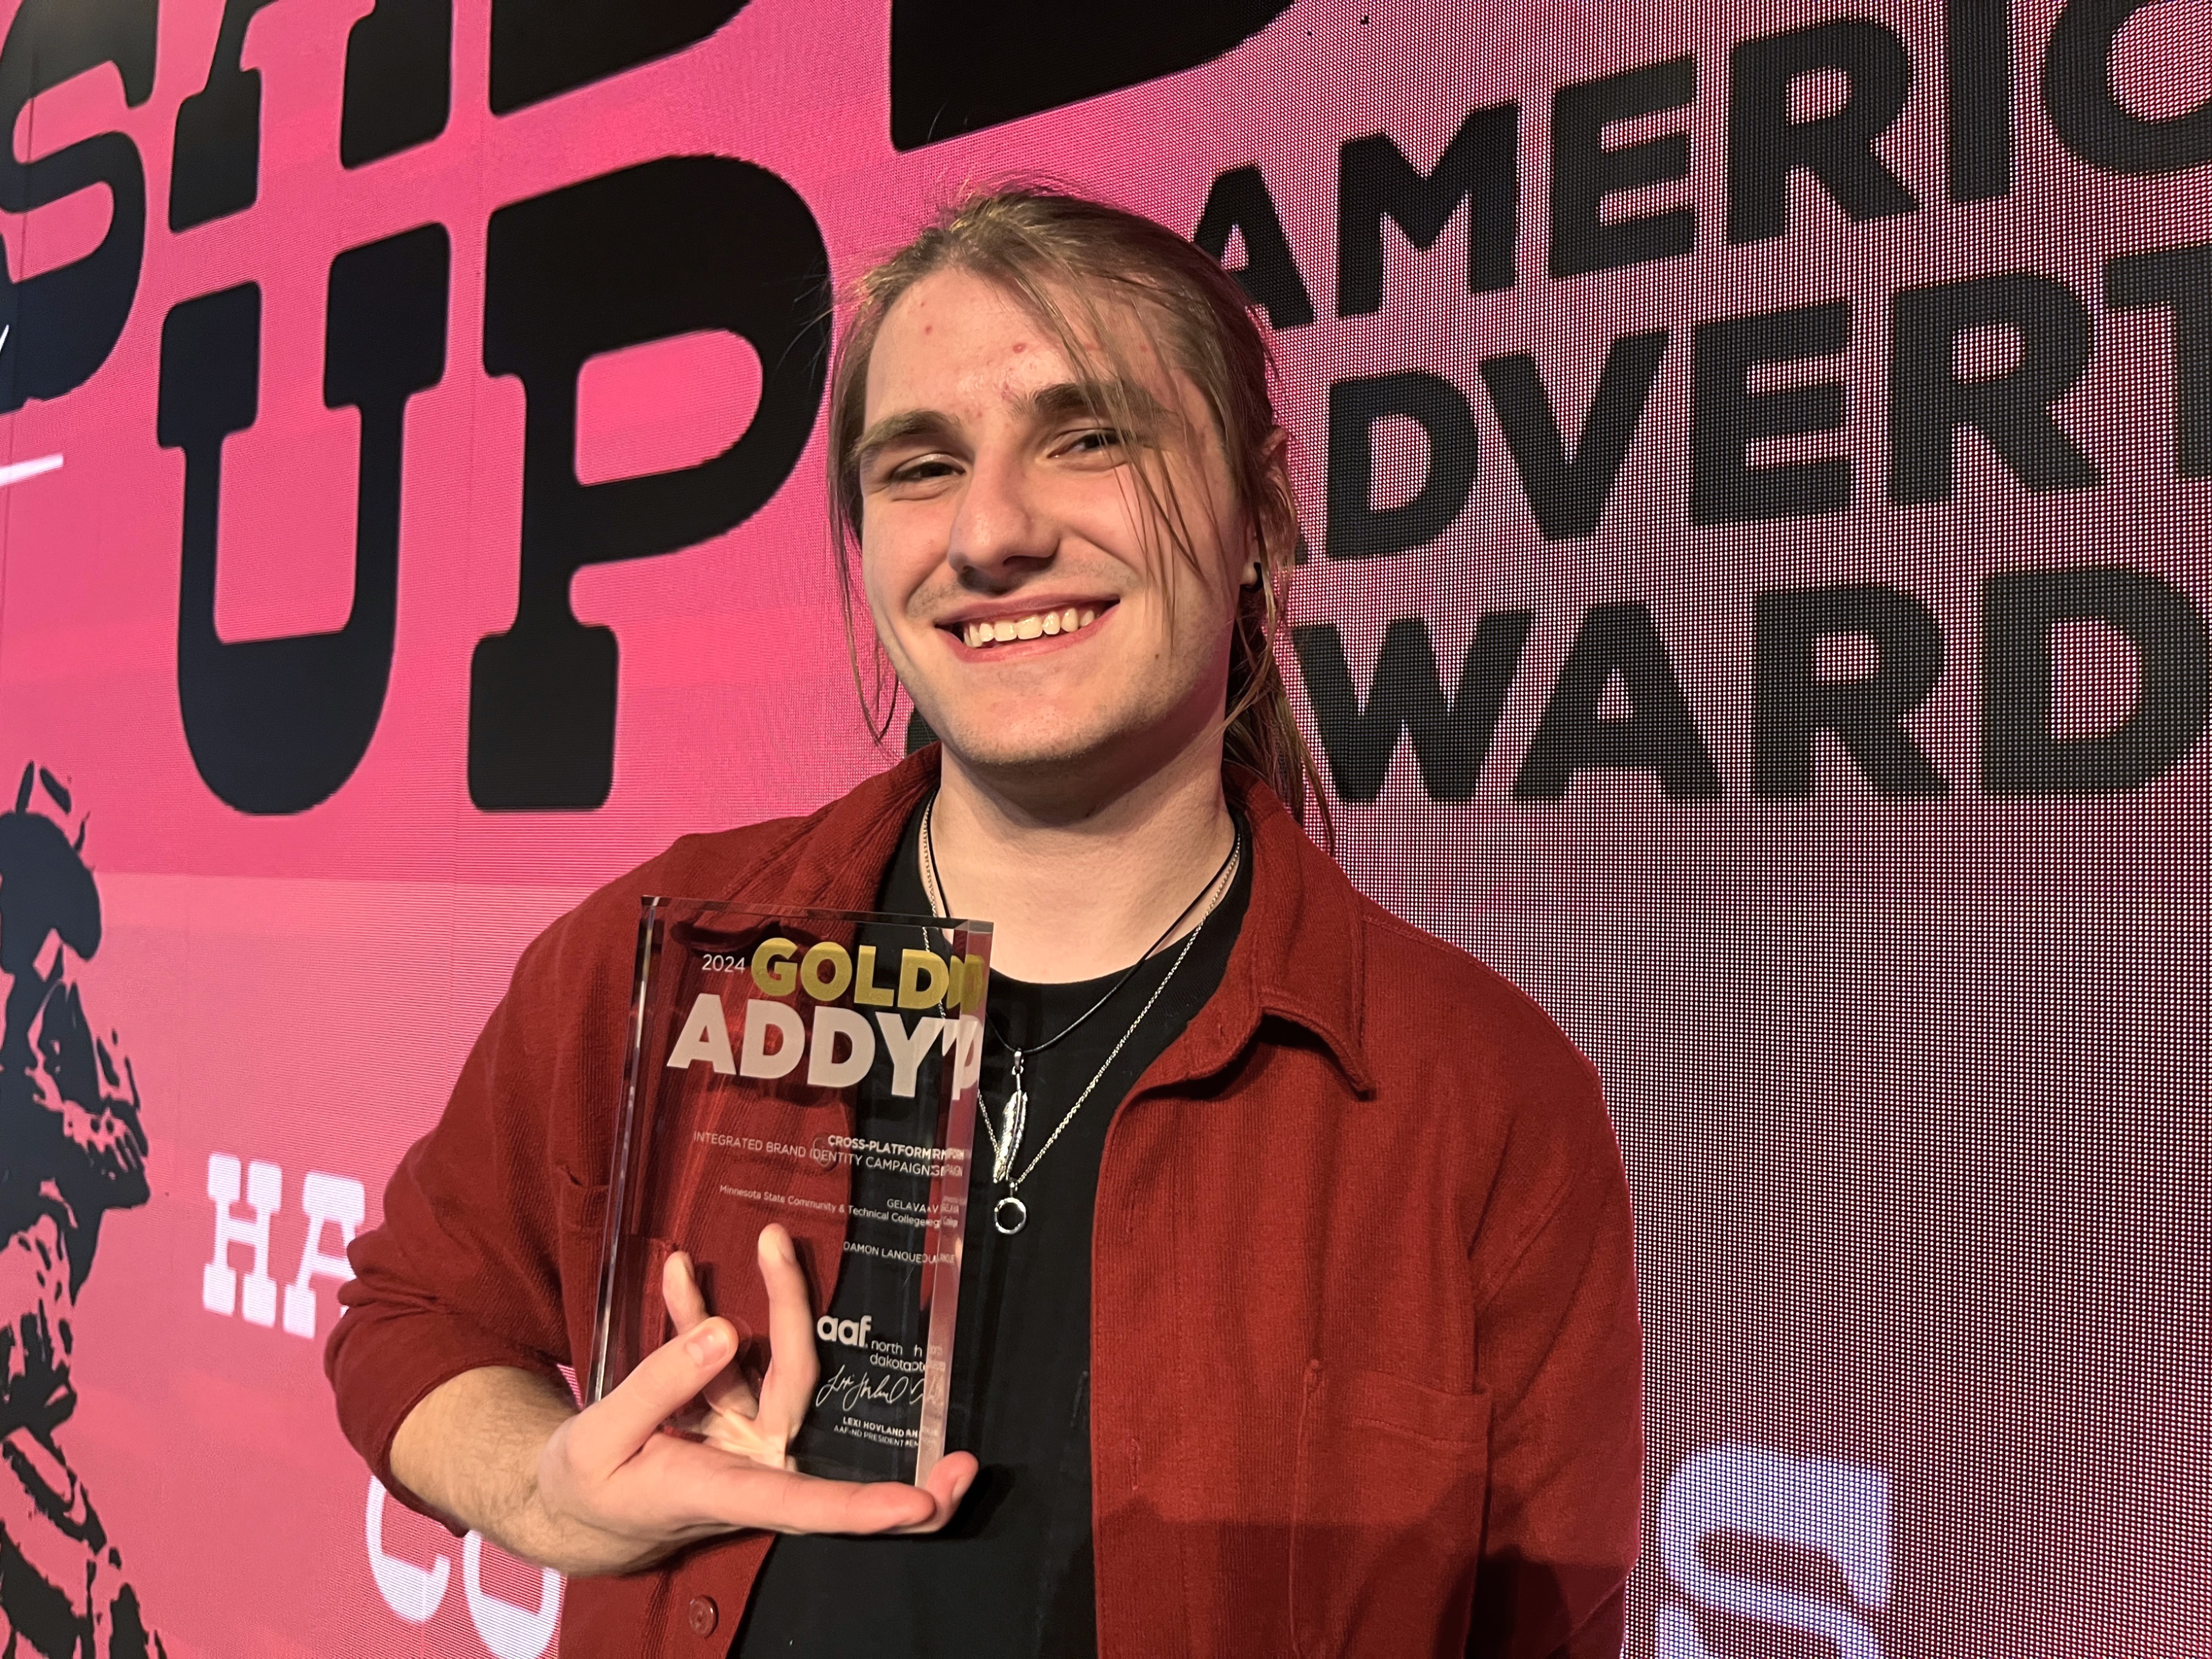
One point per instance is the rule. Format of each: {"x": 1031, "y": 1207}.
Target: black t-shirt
{"x": 1011, "y": 1577}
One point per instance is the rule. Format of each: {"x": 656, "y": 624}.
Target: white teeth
{"x": 1001, "y": 630}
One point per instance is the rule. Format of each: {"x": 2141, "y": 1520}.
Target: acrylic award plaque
{"x": 816, "y": 1068}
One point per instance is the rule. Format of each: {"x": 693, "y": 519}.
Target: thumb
{"x": 605, "y": 1436}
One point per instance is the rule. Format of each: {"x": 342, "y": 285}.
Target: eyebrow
{"x": 1095, "y": 397}
{"x": 1049, "y": 403}
{"x": 907, "y": 424}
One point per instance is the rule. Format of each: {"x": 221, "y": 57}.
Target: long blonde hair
{"x": 1051, "y": 252}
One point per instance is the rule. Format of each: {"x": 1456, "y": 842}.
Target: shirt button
{"x": 702, "y": 1614}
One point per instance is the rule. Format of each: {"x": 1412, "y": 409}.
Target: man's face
{"x": 1029, "y": 593}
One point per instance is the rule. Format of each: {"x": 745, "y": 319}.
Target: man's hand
{"x": 609, "y": 1490}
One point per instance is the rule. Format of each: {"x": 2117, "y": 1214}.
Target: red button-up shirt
{"x": 1364, "y": 1350}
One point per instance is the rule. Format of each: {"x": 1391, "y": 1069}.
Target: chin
{"x": 1004, "y": 751}
{"x": 1018, "y": 745}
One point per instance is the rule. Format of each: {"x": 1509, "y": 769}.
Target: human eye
{"x": 1092, "y": 443}
{"x": 919, "y": 470}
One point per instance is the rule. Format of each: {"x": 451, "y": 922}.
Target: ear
{"x": 1251, "y": 578}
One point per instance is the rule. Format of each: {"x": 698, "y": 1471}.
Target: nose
{"x": 999, "y": 533}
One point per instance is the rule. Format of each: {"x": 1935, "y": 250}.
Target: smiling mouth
{"x": 1038, "y": 624}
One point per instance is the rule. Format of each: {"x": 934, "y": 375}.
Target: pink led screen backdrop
{"x": 1756, "y": 462}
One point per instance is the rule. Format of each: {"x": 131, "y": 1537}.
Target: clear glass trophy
{"x": 816, "y": 1068}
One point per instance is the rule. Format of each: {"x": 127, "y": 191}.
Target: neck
{"x": 1077, "y": 882}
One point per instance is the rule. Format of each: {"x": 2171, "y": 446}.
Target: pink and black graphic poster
{"x": 1756, "y": 465}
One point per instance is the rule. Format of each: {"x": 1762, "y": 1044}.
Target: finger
{"x": 947, "y": 1486}
{"x": 792, "y": 1368}
{"x": 682, "y": 1487}
{"x": 728, "y": 1390}
{"x": 782, "y": 1500}
{"x": 731, "y": 1394}
{"x": 606, "y": 1435}
{"x": 679, "y": 1289}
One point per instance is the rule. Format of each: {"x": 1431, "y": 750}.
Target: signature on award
{"x": 851, "y": 1392}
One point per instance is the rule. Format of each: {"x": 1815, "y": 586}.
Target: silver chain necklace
{"x": 1010, "y": 1214}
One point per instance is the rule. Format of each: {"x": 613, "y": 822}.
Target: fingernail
{"x": 782, "y": 1245}
{"x": 710, "y": 1345}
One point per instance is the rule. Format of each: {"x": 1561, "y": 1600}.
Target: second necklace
{"x": 1010, "y": 1214}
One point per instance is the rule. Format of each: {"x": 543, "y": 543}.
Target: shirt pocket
{"x": 578, "y": 1205}
{"x": 1387, "y": 1516}
{"x": 580, "y": 1212}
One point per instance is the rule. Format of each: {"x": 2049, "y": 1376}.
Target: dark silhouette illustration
{"x": 71, "y": 1149}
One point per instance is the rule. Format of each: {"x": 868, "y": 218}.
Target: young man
{"x": 1304, "y": 1319}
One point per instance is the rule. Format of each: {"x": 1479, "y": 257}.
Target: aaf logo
{"x": 845, "y": 1333}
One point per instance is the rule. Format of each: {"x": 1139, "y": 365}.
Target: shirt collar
{"x": 1298, "y": 958}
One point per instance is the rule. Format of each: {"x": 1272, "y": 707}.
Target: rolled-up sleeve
{"x": 463, "y": 1271}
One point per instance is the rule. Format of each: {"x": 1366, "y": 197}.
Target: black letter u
{"x": 277, "y": 726}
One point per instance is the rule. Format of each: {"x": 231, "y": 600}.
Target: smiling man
{"x": 1300, "y": 1303}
